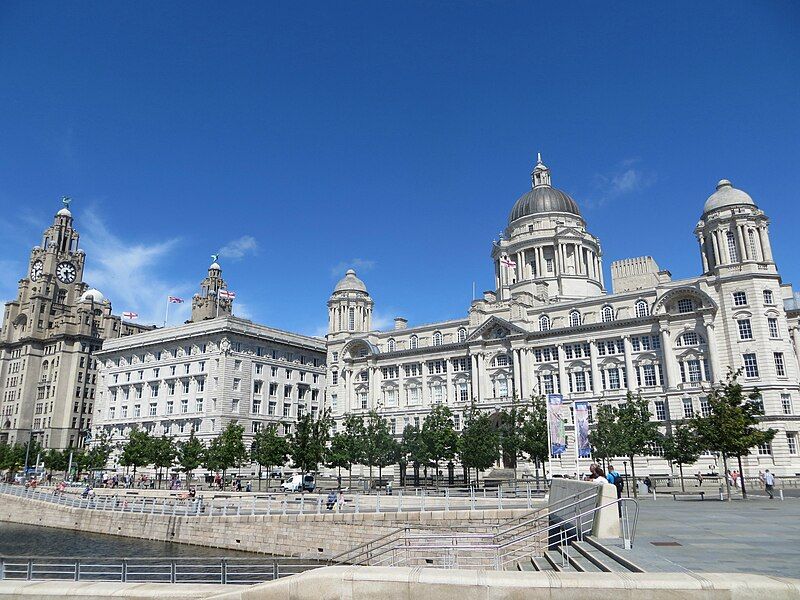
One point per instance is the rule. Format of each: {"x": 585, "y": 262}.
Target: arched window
{"x": 391, "y": 345}
{"x": 544, "y": 323}
{"x": 642, "y": 310}
{"x": 607, "y": 314}
{"x": 414, "y": 342}
{"x": 574, "y": 318}
{"x": 437, "y": 338}
{"x": 690, "y": 338}
{"x": 351, "y": 319}
{"x": 768, "y": 298}
{"x": 62, "y": 296}
{"x": 462, "y": 334}
{"x": 732, "y": 253}
{"x": 751, "y": 236}
{"x": 501, "y": 360}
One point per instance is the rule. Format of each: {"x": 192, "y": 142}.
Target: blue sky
{"x": 394, "y": 137}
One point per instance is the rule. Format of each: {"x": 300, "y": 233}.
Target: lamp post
{"x": 625, "y": 466}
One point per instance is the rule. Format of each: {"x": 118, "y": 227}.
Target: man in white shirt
{"x": 769, "y": 483}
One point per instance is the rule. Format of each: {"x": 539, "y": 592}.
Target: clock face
{"x": 36, "y": 270}
{"x": 66, "y": 272}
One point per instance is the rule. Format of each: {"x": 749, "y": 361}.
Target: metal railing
{"x": 244, "y": 571}
{"x": 272, "y": 504}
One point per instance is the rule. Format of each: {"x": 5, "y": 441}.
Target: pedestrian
{"x": 649, "y": 483}
{"x": 249, "y": 487}
{"x": 615, "y": 479}
{"x": 340, "y": 502}
{"x": 330, "y": 501}
{"x": 699, "y": 477}
{"x": 598, "y": 475}
{"x": 769, "y": 483}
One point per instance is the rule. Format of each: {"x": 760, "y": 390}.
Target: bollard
{"x": 269, "y": 506}
{"x": 319, "y": 505}
{"x": 358, "y": 501}
{"x": 284, "y": 506}
{"x": 378, "y": 503}
{"x": 400, "y": 501}
{"x": 446, "y": 499}
{"x": 422, "y": 502}
{"x": 654, "y": 495}
{"x": 302, "y": 502}
{"x": 721, "y": 496}
{"x": 780, "y": 493}
{"x": 239, "y": 508}
{"x": 253, "y": 507}
{"x": 211, "y": 509}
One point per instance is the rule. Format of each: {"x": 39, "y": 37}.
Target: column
{"x": 669, "y": 367}
{"x": 450, "y": 390}
{"x": 401, "y": 388}
{"x": 517, "y": 379}
{"x": 766, "y": 244}
{"x": 486, "y": 387}
{"x": 524, "y": 386}
{"x": 349, "y": 402}
{"x": 424, "y": 395}
{"x": 713, "y": 357}
{"x": 715, "y": 244}
{"x": 794, "y": 334}
{"x": 703, "y": 254}
{"x": 630, "y": 374}
{"x": 597, "y": 383}
{"x": 474, "y": 378}
{"x": 600, "y": 271}
{"x": 742, "y": 246}
{"x": 562, "y": 371}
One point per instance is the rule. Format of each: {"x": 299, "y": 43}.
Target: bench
{"x": 676, "y": 494}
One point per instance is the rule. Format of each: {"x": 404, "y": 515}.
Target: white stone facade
{"x": 202, "y": 375}
{"x": 551, "y": 327}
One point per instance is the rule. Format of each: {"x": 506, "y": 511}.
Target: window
{"x": 413, "y": 395}
{"x": 649, "y": 375}
{"x": 198, "y": 405}
{"x": 745, "y": 330}
{"x": 688, "y": 408}
{"x": 502, "y": 388}
{"x": 170, "y": 407}
{"x": 705, "y": 406}
{"x": 607, "y": 314}
{"x": 786, "y": 404}
{"x": 580, "y": 381}
{"x": 391, "y": 397}
{"x": 287, "y": 410}
{"x": 613, "y": 379}
{"x": 544, "y": 323}
{"x": 791, "y": 441}
{"x": 184, "y": 406}
{"x": 765, "y": 449}
{"x": 739, "y": 299}
{"x": 363, "y": 400}
{"x": 256, "y": 408}
{"x": 137, "y": 410}
{"x": 661, "y": 410}
{"x": 772, "y": 324}
{"x": 363, "y": 375}
{"x": 685, "y": 305}
{"x": 732, "y": 253}
{"x": 750, "y": 365}
{"x": 547, "y": 384}
{"x": 694, "y": 370}
{"x": 334, "y": 378}
{"x": 462, "y": 334}
{"x": 780, "y": 365}
{"x": 463, "y": 392}
{"x": 437, "y": 393}
{"x": 751, "y": 237}
{"x": 501, "y": 360}
{"x": 414, "y": 342}
{"x": 351, "y": 319}
{"x": 574, "y": 318}
{"x": 391, "y": 345}
{"x": 437, "y": 338}
{"x": 641, "y": 308}
{"x": 548, "y": 262}
{"x": 768, "y": 298}
{"x": 153, "y": 407}
{"x": 154, "y": 390}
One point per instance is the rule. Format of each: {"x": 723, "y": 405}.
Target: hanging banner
{"x": 555, "y": 418}
{"x": 582, "y": 429}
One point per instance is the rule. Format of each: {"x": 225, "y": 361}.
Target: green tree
{"x": 136, "y": 452}
{"x": 377, "y": 443}
{"x": 12, "y": 458}
{"x": 534, "y": 438}
{"x": 604, "y": 437}
{"x": 731, "y": 425}
{"x": 337, "y": 456}
{"x": 55, "y": 460}
{"x": 354, "y": 434}
{"x": 100, "y": 451}
{"x": 227, "y": 450}
{"x": 637, "y": 432}
{"x": 190, "y": 455}
{"x": 511, "y": 422}
{"x": 269, "y": 450}
{"x": 681, "y": 447}
{"x": 309, "y": 441}
{"x": 163, "y": 455}
{"x": 439, "y": 437}
{"x": 214, "y": 458}
{"x": 479, "y": 444}
{"x": 412, "y": 450}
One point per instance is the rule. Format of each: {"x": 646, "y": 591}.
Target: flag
{"x": 130, "y": 315}
{"x": 227, "y": 294}
{"x": 175, "y": 300}
{"x": 507, "y": 262}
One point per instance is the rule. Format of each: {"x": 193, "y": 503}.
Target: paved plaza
{"x": 757, "y": 536}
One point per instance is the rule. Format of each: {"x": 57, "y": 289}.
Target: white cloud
{"x": 128, "y": 274}
{"x": 358, "y": 264}
{"x": 239, "y": 248}
{"x": 620, "y": 181}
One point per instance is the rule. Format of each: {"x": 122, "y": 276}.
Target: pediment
{"x": 495, "y": 328}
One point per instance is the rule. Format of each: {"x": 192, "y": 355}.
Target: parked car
{"x": 299, "y": 483}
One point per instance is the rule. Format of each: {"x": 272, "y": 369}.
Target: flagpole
{"x": 166, "y": 313}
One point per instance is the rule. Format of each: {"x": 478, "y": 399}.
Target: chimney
{"x": 400, "y": 323}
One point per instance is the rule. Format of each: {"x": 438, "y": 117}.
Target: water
{"x": 32, "y": 540}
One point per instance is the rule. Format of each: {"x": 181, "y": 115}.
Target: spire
{"x": 540, "y": 176}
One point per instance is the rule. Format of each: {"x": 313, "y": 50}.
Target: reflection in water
{"x": 31, "y": 540}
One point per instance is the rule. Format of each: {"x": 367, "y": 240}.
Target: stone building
{"x": 208, "y": 372}
{"x": 551, "y": 326}
{"x": 48, "y": 369}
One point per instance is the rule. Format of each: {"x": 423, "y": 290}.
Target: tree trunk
{"x": 741, "y": 477}
{"x": 633, "y": 478}
{"x": 680, "y": 470}
{"x": 725, "y": 476}
{"x": 536, "y": 462}
{"x": 350, "y": 476}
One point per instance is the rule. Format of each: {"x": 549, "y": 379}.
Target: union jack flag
{"x": 175, "y": 300}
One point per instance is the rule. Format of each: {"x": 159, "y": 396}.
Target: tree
{"x": 214, "y": 458}
{"x": 98, "y": 454}
{"x": 309, "y": 441}
{"x": 55, "y": 460}
{"x": 731, "y": 425}
{"x": 163, "y": 454}
{"x": 412, "y": 450}
{"x": 637, "y": 433}
{"x": 337, "y": 456}
{"x": 439, "y": 437}
{"x": 534, "y": 437}
{"x": 269, "y": 450}
{"x": 604, "y": 437}
{"x": 681, "y": 447}
{"x": 12, "y": 457}
{"x": 137, "y": 451}
{"x": 479, "y": 444}
{"x": 226, "y": 450}
{"x": 377, "y": 443}
{"x": 354, "y": 434}
{"x": 190, "y": 455}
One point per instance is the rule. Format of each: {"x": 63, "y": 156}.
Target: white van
{"x": 299, "y": 483}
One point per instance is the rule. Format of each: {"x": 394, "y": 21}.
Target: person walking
{"x": 769, "y": 483}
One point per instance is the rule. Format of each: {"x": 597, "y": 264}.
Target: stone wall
{"x": 305, "y": 536}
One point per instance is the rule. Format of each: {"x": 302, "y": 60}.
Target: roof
{"x": 350, "y": 283}
{"x": 727, "y": 195}
{"x": 543, "y": 199}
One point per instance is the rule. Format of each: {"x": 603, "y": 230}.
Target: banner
{"x": 582, "y": 429}
{"x": 555, "y": 418}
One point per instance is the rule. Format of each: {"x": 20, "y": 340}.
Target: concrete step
{"x": 556, "y": 560}
{"x": 601, "y": 560}
{"x": 578, "y": 561}
{"x": 526, "y": 564}
{"x": 617, "y": 554}
{"x": 540, "y": 563}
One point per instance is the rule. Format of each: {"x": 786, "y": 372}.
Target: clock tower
{"x": 48, "y": 337}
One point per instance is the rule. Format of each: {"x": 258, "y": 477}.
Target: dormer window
{"x": 641, "y": 308}
{"x": 544, "y": 323}
{"x": 574, "y": 318}
{"x": 462, "y": 334}
{"x": 391, "y": 345}
{"x": 414, "y": 342}
{"x": 607, "y": 314}
{"x": 437, "y": 338}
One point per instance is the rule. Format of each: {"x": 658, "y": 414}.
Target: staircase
{"x": 580, "y": 556}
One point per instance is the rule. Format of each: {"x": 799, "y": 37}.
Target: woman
{"x": 598, "y": 475}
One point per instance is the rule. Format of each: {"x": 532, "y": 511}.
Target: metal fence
{"x": 244, "y": 571}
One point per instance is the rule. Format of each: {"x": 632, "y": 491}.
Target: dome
{"x": 94, "y": 295}
{"x": 64, "y": 212}
{"x": 215, "y": 265}
{"x": 543, "y": 199}
{"x": 350, "y": 283}
{"x": 727, "y": 195}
